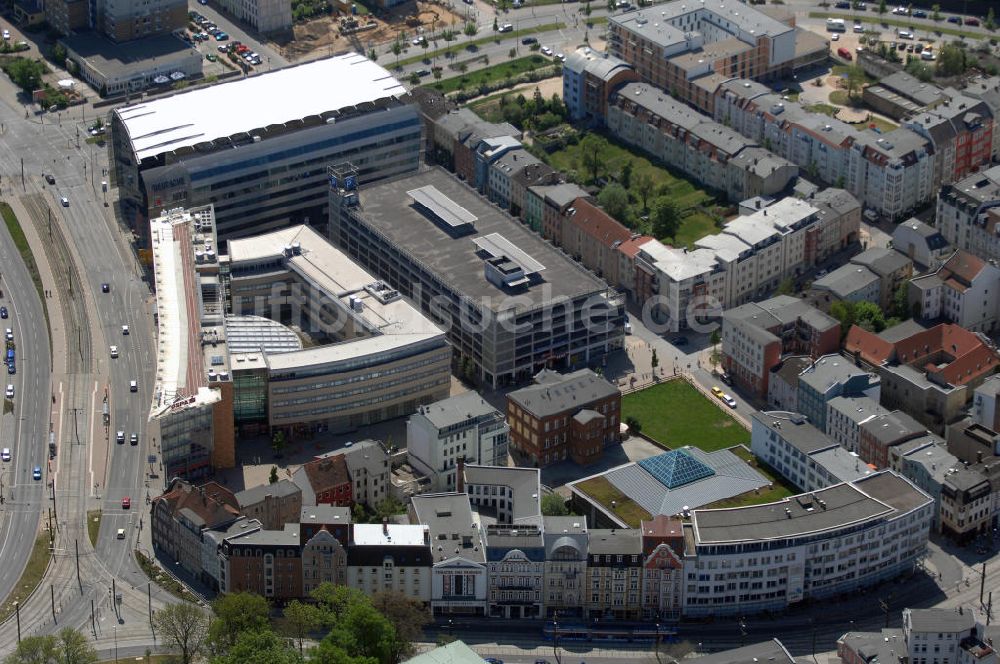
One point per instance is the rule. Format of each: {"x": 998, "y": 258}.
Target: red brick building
{"x": 564, "y": 416}
{"x": 267, "y": 562}
{"x": 883, "y": 432}
{"x": 325, "y": 481}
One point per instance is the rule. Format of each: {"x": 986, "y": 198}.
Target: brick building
{"x": 325, "y": 481}
{"x": 266, "y": 562}
{"x": 564, "y": 416}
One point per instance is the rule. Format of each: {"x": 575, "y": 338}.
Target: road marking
{"x": 90, "y": 455}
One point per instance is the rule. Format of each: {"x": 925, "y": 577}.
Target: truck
{"x": 836, "y": 25}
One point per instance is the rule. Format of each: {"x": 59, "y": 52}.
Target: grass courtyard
{"x": 779, "y": 488}
{"x": 676, "y": 414}
{"x": 492, "y": 74}
{"x": 696, "y": 223}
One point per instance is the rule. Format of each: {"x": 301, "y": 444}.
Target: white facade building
{"x": 264, "y": 16}
{"x": 390, "y": 557}
{"x": 465, "y": 427}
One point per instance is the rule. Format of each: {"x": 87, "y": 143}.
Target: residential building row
{"x": 461, "y": 560}
{"x": 960, "y": 635}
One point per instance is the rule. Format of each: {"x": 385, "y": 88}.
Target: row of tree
{"x": 350, "y": 628}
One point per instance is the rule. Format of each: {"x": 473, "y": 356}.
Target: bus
{"x": 609, "y": 631}
{"x": 836, "y": 25}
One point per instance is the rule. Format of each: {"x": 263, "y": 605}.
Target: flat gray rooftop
{"x": 113, "y": 59}
{"x": 453, "y": 259}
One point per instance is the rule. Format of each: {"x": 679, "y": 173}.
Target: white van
{"x": 120, "y": 534}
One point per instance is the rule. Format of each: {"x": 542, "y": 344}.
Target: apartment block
{"x": 883, "y": 432}
{"x": 460, "y": 428}
{"x": 755, "y": 337}
{"x": 923, "y": 244}
{"x": 507, "y": 494}
{"x": 391, "y": 557}
{"x": 547, "y": 205}
{"x": 265, "y": 562}
{"x": 273, "y": 505}
{"x": 594, "y": 238}
{"x": 951, "y": 636}
{"x": 930, "y": 373}
{"x": 589, "y": 77}
{"x": 968, "y": 214}
{"x": 183, "y": 513}
{"x": 264, "y": 16}
{"x": 846, "y": 414}
{"x": 687, "y": 49}
{"x": 662, "y": 568}
{"x": 515, "y": 562}
{"x": 961, "y": 131}
{"x": 566, "y": 543}
{"x": 564, "y": 416}
{"x": 707, "y": 151}
{"x": 125, "y": 20}
{"x": 963, "y": 291}
{"x": 614, "y": 576}
{"x": 827, "y": 378}
{"x": 454, "y": 137}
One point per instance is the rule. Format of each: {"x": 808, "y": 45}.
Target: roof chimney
{"x": 460, "y": 475}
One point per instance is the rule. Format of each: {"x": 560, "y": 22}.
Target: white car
{"x": 417, "y": 41}
{"x": 221, "y": 48}
{"x": 9, "y": 334}
{"x": 10, "y": 392}
{"x": 125, "y": 330}
{"x": 64, "y": 201}
{"x": 5, "y": 454}
{"x": 729, "y": 401}
{"x": 6, "y": 35}
{"x": 858, "y": 27}
{"x": 133, "y": 386}
{"x": 114, "y": 351}
{"x": 835, "y": 37}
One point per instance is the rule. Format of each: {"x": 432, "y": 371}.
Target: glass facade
{"x": 250, "y": 396}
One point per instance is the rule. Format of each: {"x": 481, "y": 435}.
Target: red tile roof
{"x": 956, "y": 355}
{"x": 327, "y": 473}
{"x": 631, "y": 248}
{"x": 960, "y": 270}
{"x": 598, "y": 224}
{"x": 212, "y": 502}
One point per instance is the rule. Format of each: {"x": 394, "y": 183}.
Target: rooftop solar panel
{"x": 445, "y": 209}
{"x": 497, "y": 245}
{"x": 676, "y": 468}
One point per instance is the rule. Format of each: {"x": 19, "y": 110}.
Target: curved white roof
{"x": 248, "y": 104}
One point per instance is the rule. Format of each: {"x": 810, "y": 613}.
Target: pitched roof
{"x": 598, "y": 224}
{"x": 555, "y": 393}
{"x": 961, "y": 270}
{"x": 210, "y": 505}
{"x": 326, "y": 473}
{"x": 255, "y": 494}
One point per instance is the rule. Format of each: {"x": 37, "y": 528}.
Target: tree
{"x": 59, "y": 54}
{"x": 554, "y": 505}
{"x": 936, "y": 12}
{"x": 634, "y": 425}
{"x": 301, "y": 619}
{"x": 26, "y": 74}
{"x": 626, "y": 174}
{"x": 900, "y": 302}
{"x": 593, "y": 149}
{"x": 843, "y": 312}
{"x": 278, "y": 442}
{"x": 360, "y": 631}
{"x": 332, "y": 601}
{"x": 397, "y": 48}
{"x": 408, "y": 617}
{"x": 715, "y": 337}
{"x": 855, "y": 80}
{"x": 787, "y": 286}
{"x": 881, "y": 7}
{"x": 918, "y": 69}
{"x": 951, "y": 60}
{"x": 470, "y": 29}
{"x": 869, "y": 316}
{"x": 236, "y": 613}
{"x": 512, "y": 53}
{"x": 273, "y": 479}
{"x": 372, "y": 55}
{"x": 644, "y": 186}
{"x": 666, "y": 217}
{"x": 258, "y": 647}
{"x": 34, "y": 650}
{"x": 75, "y": 648}
{"x": 991, "y": 20}
{"x": 655, "y": 361}
{"x": 387, "y": 508}
{"x": 184, "y": 627}
{"x": 614, "y": 199}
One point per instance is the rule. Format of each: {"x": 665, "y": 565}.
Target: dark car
{"x": 423, "y": 72}
{"x": 954, "y": 19}
{"x": 972, "y": 21}
{"x": 105, "y": 288}
{"x": 679, "y": 341}
{"x": 843, "y": 5}
{"x": 919, "y": 13}
{"x": 3, "y": 312}
{"x": 49, "y": 178}
{"x": 529, "y": 40}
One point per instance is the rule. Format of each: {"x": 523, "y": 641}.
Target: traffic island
{"x": 33, "y": 573}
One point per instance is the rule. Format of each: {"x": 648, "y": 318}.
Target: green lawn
{"x": 676, "y": 414}
{"x": 21, "y": 242}
{"x": 602, "y": 491}
{"x": 839, "y": 98}
{"x": 825, "y": 109}
{"x": 695, "y": 225}
{"x": 93, "y": 526}
{"x": 499, "y": 72}
{"x": 779, "y": 488}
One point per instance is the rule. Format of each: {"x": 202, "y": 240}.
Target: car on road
{"x": 133, "y": 386}
{"x": 3, "y": 312}
{"x": 120, "y": 534}
{"x": 64, "y": 201}
{"x": 133, "y": 439}
{"x": 9, "y": 334}
{"x": 36, "y": 473}
{"x": 125, "y": 330}
{"x": 417, "y": 41}
{"x": 726, "y": 378}
{"x": 11, "y": 368}
{"x": 114, "y": 352}
{"x": 221, "y": 36}
{"x": 126, "y": 503}
{"x": 717, "y": 391}
{"x": 972, "y": 21}
{"x": 679, "y": 341}
{"x": 222, "y": 48}
{"x": 492, "y": 660}
{"x": 919, "y": 13}
{"x": 50, "y": 178}
{"x": 105, "y": 288}
{"x": 546, "y": 50}
{"x": 528, "y": 41}
{"x": 6, "y": 35}
{"x": 506, "y": 27}
{"x": 423, "y": 72}
{"x": 561, "y": 57}
{"x": 9, "y": 392}
{"x": 842, "y": 4}
{"x": 729, "y": 401}
{"x": 5, "y": 454}
{"x": 120, "y": 437}
{"x": 955, "y": 19}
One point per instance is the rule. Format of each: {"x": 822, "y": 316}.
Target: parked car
{"x": 835, "y": 37}
{"x": 36, "y": 473}
{"x": 729, "y": 401}
{"x": 105, "y": 288}
{"x": 50, "y": 178}
{"x": 717, "y": 391}
{"x": 546, "y": 50}
{"x": 120, "y": 534}
{"x": 955, "y": 19}
{"x": 120, "y": 437}
{"x": 527, "y": 41}
{"x": 3, "y": 312}
{"x": 9, "y": 393}
{"x": 919, "y": 13}
{"x": 972, "y": 21}
{"x": 5, "y": 454}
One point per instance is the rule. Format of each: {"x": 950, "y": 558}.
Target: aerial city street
{"x": 523, "y": 331}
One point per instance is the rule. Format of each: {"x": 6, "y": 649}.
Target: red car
{"x": 126, "y": 503}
